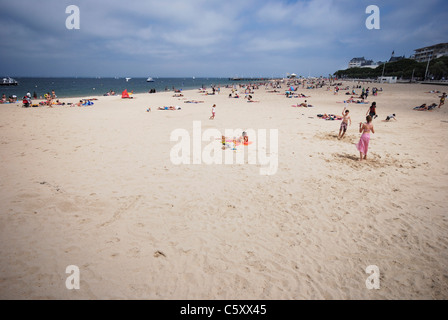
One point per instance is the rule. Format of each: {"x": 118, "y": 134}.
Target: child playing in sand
{"x": 391, "y": 116}
{"x": 213, "y": 112}
{"x": 345, "y": 123}
{"x": 363, "y": 144}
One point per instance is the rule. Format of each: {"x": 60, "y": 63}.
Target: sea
{"x": 85, "y": 87}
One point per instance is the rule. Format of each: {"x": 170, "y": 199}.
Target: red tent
{"x": 125, "y": 94}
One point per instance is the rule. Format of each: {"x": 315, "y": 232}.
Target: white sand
{"x": 94, "y": 187}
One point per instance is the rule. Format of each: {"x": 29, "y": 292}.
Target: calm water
{"x": 84, "y": 87}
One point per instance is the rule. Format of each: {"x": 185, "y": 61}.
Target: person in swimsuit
{"x": 345, "y": 123}
{"x": 442, "y": 99}
{"x": 363, "y": 144}
{"x": 213, "y": 112}
{"x": 372, "y": 111}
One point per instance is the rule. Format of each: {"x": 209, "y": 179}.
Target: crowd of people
{"x": 365, "y": 128}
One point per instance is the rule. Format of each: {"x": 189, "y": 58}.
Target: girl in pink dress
{"x": 363, "y": 144}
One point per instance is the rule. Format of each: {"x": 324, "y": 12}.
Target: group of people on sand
{"x": 425, "y": 107}
{"x": 10, "y": 99}
{"x": 110, "y": 93}
{"x": 364, "y": 128}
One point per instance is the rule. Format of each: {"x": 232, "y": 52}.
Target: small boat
{"x": 150, "y": 79}
{"x": 8, "y": 82}
{"x": 127, "y": 79}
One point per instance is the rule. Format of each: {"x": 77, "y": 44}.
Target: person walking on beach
{"x": 213, "y": 112}
{"x": 372, "y": 111}
{"x": 345, "y": 123}
{"x": 442, "y": 99}
{"x": 363, "y": 144}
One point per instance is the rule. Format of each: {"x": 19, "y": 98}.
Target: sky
{"x": 209, "y": 38}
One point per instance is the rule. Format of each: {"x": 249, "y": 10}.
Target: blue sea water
{"x": 85, "y": 87}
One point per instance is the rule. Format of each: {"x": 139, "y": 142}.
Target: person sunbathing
{"x": 329, "y": 117}
{"x": 170, "y": 108}
{"x": 421, "y": 108}
{"x": 77, "y": 104}
{"x": 424, "y": 107}
{"x": 193, "y": 101}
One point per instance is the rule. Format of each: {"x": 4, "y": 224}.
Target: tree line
{"x": 402, "y": 69}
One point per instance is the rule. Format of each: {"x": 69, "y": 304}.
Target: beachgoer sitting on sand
{"x": 303, "y": 104}
{"x": 26, "y": 101}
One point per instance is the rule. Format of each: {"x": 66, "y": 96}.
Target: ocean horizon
{"x": 69, "y": 87}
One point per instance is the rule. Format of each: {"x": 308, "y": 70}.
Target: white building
{"x": 362, "y": 63}
{"x": 431, "y": 52}
{"x": 387, "y": 79}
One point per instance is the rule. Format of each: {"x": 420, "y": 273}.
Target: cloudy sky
{"x": 207, "y": 38}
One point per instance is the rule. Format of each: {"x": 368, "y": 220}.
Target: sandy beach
{"x": 95, "y": 187}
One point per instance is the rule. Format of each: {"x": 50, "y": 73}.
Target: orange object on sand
{"x": 125, "y": 94}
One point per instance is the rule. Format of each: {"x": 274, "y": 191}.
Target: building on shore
{"x": 362, "y": 63}
{"x": 387, "y": 79}
{"x": 431, "y": 52}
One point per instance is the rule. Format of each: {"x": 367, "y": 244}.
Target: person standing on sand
{"x": 213, "y": 112}
{"x": 363, "y": 144}
{"x": 372, "y": 111}
{"x": 345, "y": 123}
{"x": 442, "y": 99}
